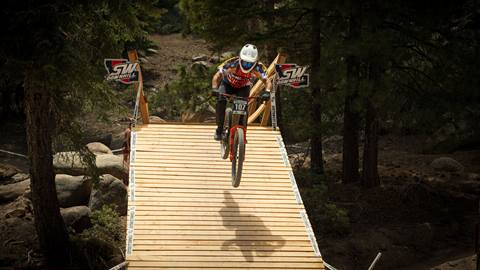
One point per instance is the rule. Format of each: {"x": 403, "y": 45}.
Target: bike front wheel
{"x": 238, "y": 156}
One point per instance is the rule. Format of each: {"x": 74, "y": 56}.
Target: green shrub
{"x": 106, "y": 226}
{"x": 326, "y": 217}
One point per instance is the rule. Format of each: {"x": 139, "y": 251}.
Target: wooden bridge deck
{"x": 184, "y": 213}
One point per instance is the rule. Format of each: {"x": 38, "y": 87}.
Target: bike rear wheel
{"x": 225, "y": 142}
{"x": 238, "y": 156}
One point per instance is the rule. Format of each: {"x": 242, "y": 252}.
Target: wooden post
{"x": 133, "y": 57}
{"x": 254, "y": 112}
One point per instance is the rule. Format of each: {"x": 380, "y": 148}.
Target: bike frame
{"x": 233, "y": 129}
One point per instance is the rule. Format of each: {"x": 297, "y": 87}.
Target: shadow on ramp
{"x": 245, "y": 239}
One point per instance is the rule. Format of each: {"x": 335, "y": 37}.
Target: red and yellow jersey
{"x": 233, "y": 74}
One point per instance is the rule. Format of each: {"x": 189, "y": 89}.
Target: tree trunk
{"x": 316, "y": 150}
{"x": 51, "y": 230}
{"x": 370, "y": 150}
{"x": 351, "y": 116}
{"x": 350, "y": 141}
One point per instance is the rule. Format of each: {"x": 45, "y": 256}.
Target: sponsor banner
{"x": 121, "y": 70}
{"x": 293, "y": 75}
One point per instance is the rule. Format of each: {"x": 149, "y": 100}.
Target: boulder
{"x": 19, "y": 177}
{"x": 98, "y": 148}
{"x": 70, "y": 163}
{"x": 111, "y": 164}
{"x": 156, "y": 119}
{"x": 77, "y": 217}
{"x": 214, "y": 59}
{"x": 10, "y": 192}
{"x": 109, "y": 191}
{"x": 73, "y": 190}
{"x": 7, "y": 171}
{"x": 224, "y": 56}
{"x": 447, "y": 164}
{"x": 201, "y": 57}
{"x": 201, "y": 67}
{"x": 467, "y": 263}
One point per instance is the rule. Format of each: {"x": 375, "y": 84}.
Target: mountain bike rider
{"x": 234, "y": 76}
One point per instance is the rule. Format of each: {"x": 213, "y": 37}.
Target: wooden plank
{"x": 227, "y": 264}
{"x": 223, "y": 258}
{"x": 209, "y": 187}
{"x": 171, "y": 198}
{"x": 211, "y": 190}
{"x": 259, "y": 247}
{"x": 216, "y": 219}
{"x": 247, "y": 215}
{"x": 153, "y": 238}
{"x": 180, "y": 251}
{"x": 207, "y": 233}
{"x": 223, "y": 165}
{"x": 223, "y": 205}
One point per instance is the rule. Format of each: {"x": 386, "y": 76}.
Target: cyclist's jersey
{"x": 233, "y": 74}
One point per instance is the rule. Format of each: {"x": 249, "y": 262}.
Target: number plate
{"x": 240, "y": 107}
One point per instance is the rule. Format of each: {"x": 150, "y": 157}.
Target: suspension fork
{"x": 233, "y": 131}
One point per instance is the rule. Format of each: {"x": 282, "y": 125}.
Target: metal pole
{"x": 273, "y": 111}
{"x": 375, "y": 261}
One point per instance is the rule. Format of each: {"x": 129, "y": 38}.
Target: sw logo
{"x": 121, "y": 70}
{"x": 293, "y": 75}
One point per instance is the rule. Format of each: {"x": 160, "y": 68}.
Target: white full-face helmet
{"x": 248, "y": 57}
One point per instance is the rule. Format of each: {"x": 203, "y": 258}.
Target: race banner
{"x": 121, "y": 70}
{"x": 293, "y": 75}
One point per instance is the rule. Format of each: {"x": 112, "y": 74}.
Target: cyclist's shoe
{"x": 218, "y": 135}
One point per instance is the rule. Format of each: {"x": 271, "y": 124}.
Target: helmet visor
{"x": 246, "y": 65}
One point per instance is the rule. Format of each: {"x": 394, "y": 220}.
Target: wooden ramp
{"x": 184, "y": 213}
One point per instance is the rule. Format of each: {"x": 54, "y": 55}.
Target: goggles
{"x": 246, "y": 65}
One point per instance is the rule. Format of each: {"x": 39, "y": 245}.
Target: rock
{"x": 7, "y": 171}
{"x": 196, "y": 117}
{"x": 10, "y": 192}
{"x": 111, "y": 164}
{"x": 201, "y": 57}
{"x": 201, "y": 66}
{"x": 467, "y": 263}
{"x": 156, "y": 119}
{"x": 73, "y": 190}
{"x": 224, "y": 56}
{"x": 447, "y": 164}
{"x": 143, "y": 60}
{"x": 70, "y": 163}
{"x": 98, "y": 148}
{"x": 112, "y": 191}
{"x": 214, "y": 59}
{"x": 19, "y": 177}
{"x": 103, "y": 138}
{"x": 18, "y": 213}
{"x": 77, "y": 217}
{"x": 151, "y": 50}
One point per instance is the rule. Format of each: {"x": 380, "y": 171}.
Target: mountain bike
{"x": 234, "y": 138}
{"x": 234, "y": 134}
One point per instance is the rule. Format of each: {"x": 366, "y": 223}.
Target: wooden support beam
{"x": 133, "y": 57}
{"x": 253, "y": 111}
